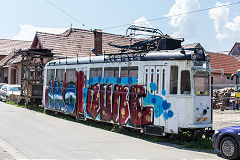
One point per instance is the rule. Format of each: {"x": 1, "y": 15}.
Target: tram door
{"x": 154, "y": 79}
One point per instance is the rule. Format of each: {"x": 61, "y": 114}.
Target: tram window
{"x": 111, "y": 72}
{"x": 201, "y": 83}
{"x": 60, "y": 75}
{"x": 174, "y": 80}
{"x": 70, "y": 75}
{"x": 146, "y": 76}
{"x": 163, "y": 79}
{"x": 50, "y": 74}
{"x": 129, "y": 72}
{"x": 152, "y": 72}
{"x": 95, "y": 72}
{"x": 157, "y": 81}
{"x": 185, "y": 82}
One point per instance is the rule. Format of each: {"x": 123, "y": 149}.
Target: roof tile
{"x": 229, "y": 64}
{"x": 79, "y": 41}
{"x": 7, "y": 48}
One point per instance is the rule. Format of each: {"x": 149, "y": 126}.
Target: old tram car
{"x": 159, "y": 91}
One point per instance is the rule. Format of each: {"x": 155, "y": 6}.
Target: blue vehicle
{"x": 227, "y": 141}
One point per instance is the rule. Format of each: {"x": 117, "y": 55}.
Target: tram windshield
{"x": 201, "y": 83}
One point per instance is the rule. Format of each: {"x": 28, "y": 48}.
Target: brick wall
{"x": 14, "y": 74}
{"x": 19, "y": 69}
{"x": 219, "y": 81}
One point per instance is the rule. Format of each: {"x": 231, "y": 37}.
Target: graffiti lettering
{"x": 80, "y": 90}
{"x": 137, "y": 92}
{"x": 93, "y": 101}
{"x": 70, "y": 97}
{"x": 106, "y": 102}
{"x": 124, "y": 114}
{"x": 126, "y": 104}
{"x": 118, "y": 103}
{"x": 60, "y": 98}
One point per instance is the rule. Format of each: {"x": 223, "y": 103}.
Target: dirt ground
{"x": 225, "y": 118}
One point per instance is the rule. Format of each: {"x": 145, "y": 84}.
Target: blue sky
{"x": 216, "y": 29}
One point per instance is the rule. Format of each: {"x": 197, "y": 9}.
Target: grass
{"x": 34, "y": 108}
{"x": 182, "y": 140}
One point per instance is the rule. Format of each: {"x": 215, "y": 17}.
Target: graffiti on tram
{"x": 119, "y": 100}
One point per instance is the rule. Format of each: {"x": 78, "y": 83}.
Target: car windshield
{"x": 201, "y": 83}
{"x": 14, "y": 88}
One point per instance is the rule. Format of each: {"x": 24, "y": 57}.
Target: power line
{"x": 67, "y": 14}
{"x": 200, "y": 10}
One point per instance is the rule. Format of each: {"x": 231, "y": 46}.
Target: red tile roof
{"x": 77, "y": 41}
{"x": 5, "y": 61}
{"x": 7, "y": 46}
{"x": 229, "y": 64}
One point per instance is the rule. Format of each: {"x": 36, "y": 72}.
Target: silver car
{"x": 7, "y": 90}
{"x": 1, "y": 84}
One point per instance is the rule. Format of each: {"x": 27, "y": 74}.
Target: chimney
{"x": 97, "y": 41}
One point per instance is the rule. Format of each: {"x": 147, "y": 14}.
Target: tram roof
{"x": 126, "y": 57}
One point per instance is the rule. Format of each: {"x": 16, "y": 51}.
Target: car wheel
{"x": 229, "y": 148}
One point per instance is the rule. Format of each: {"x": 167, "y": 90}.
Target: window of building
{"x": 60, "y": 74}
{"x": 50, "y": 74}
{"x": 173, "y": 79}
{"x": 185, "y": 82}
{"x": 70, "y": 75}
{"x": 95, "y": 72}
{"x": 111, "y": 72}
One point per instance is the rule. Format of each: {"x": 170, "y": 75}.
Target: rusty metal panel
{"x": 32, "y": 65}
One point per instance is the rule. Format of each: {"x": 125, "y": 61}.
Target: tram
{"x": 158, "y": 91}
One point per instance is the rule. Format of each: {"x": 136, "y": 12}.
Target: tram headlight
{"x": 194, "y": 56}
{"x": 204, "y": 112}
{"x": 216, "y": 134}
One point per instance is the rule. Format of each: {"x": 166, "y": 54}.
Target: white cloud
{"x": 219, "y": 15}
{"x": 142, "y": 21}
{"x": 220, "y": 18}
{"x": 27, "y": 32}
{"x": 224, "y": 28}
{"x": 184, "y": 23}
{"x": 234, "y": 25}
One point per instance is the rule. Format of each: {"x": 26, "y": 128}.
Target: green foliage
{"x": 201, "y": 143}
{"x": 34, "y": 107}
{"x": 182, "y": 140}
